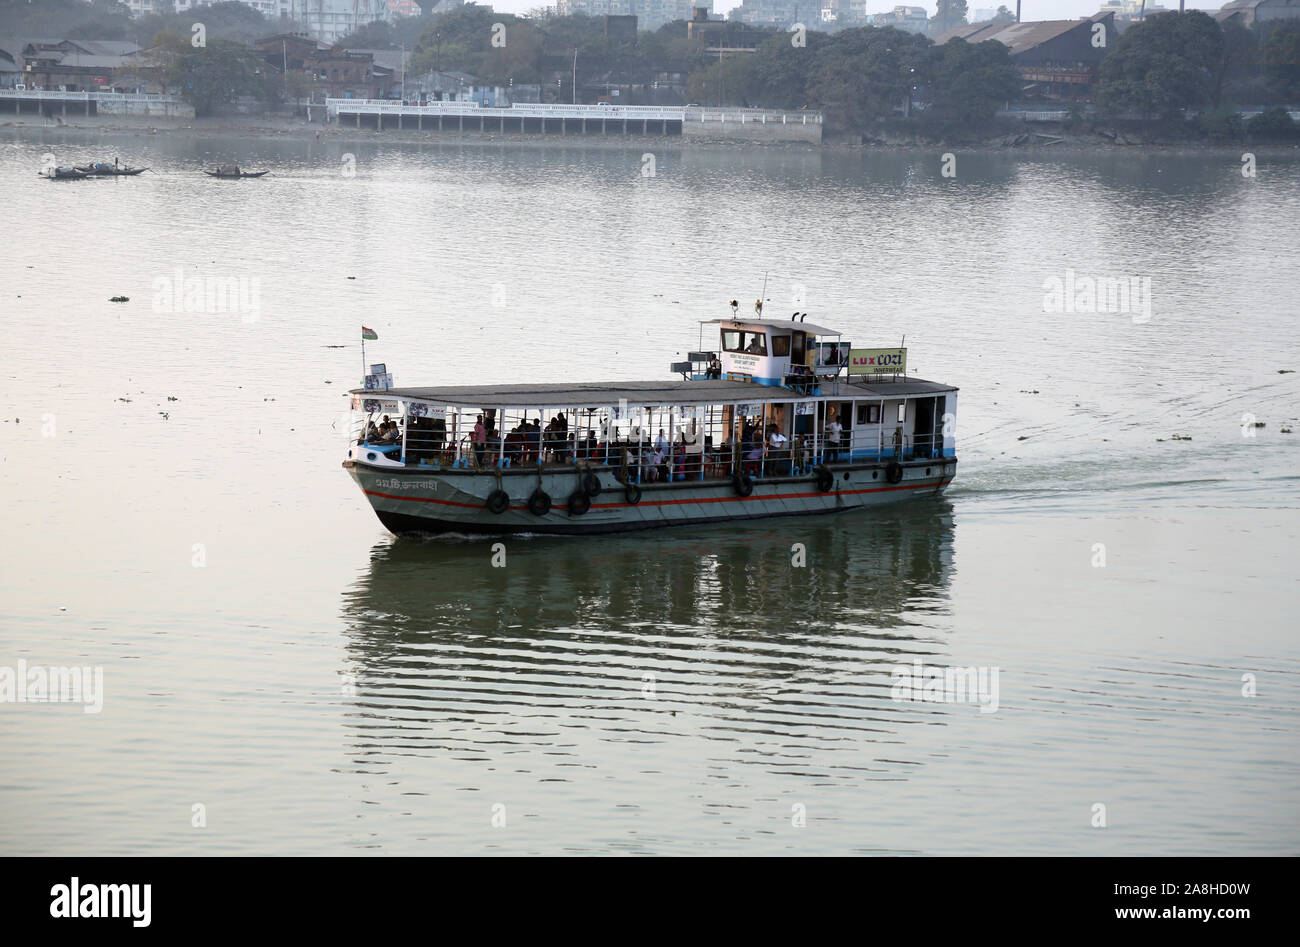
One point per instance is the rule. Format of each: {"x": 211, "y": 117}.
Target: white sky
{"x": 1029, "y": 9}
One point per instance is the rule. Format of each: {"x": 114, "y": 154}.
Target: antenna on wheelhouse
{"x": 758, "y": 303}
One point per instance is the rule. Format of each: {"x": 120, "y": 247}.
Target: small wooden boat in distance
{"x": 114, "y": 170}
{"x": 232, "y": 171}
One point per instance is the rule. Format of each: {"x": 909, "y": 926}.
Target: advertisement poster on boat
{"x": 878, "y": 362}
{"x": 422, "y": 409}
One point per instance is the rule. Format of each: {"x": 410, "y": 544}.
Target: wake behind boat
{"x": 785, "y": 419}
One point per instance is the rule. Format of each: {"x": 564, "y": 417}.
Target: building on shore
{"x": 11, "y": 72}
{"x": 1131, "y": 11}
{"x": 1056, "y": 59}
{"x": 326, "y": 70}
{"x": 70, "y": 65}
{"x": 270, "y": 9}
{"x": 1250, "y": 13}
{"x": 331, "y": 20}
{"x": 911, "y": 19}
{"x": 782, "y": 14}
{"x": 650, "y": 14}
{"x": 620, "y": 29}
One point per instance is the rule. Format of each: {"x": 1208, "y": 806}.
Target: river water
{"x": 281, "y": 675}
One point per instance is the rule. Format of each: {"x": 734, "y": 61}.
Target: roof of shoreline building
{"x": 1019, "y": 36}
{"x": 643, "y": 392}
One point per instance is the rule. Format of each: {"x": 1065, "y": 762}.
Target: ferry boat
{"x": 783, "y": 418}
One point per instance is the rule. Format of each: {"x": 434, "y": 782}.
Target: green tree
{"x": 1240, "y": 60}
{"x": 1162, "y": 65}
{"x": 1003, "y": 16}
{"x": 1280, "y": 59}
{"x": 865, "y": 74}
{"x": 213, "y": 76}
{"x": 104, "y": 19}
{"x": 457, "y": 39}
{"x": 728, "y": 82}
{"x": 948, "y": 14}
{"x": 227, "y": 21}
{"x": 376, "y": 35}
{"x": 971, "y": 81}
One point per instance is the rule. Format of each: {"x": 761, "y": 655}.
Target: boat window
{"x": 868, "y": 414}
{"x": 780, "y": 345}
{"x": 902, "y": 412}
{"x": 754, "y": 343}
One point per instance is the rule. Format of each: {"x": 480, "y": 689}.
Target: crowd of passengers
{"x": 761, "y": 449}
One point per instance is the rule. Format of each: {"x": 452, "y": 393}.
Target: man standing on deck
{"x": 480, "y": 440}
{"x": 833, "y": 431}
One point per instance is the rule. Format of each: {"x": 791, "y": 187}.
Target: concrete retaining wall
{"x": 753, "y": 125}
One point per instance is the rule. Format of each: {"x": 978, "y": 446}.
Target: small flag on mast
{"x": 369, "y": 335}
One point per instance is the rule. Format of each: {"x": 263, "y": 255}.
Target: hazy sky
{"x": 1029, "y": 9}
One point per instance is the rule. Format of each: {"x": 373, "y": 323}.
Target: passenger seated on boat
{"x": 553, "y": 439}
{"x": 514, "y": 445}
{"x": 715, "y": 368}
{"x": 534, "y": 437}
{"x": 661, "y": 442}
{"x": 658, "y": 464}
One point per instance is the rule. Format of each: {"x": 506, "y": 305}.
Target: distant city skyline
{"x": 1029, "y": 10}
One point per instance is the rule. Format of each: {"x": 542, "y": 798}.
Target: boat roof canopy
{"x": 646, "y": 392}
{"x": 775, "y": 324}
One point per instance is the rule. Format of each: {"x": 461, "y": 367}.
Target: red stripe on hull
{"x": 731, "y": 499}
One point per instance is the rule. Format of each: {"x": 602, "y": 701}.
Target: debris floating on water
{"x": 120, "y": 299}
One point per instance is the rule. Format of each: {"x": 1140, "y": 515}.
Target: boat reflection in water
{"x": 448, "y": 653}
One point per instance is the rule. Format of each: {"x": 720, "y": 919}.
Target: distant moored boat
{"x": 104, "y": 169}
{"x": 232, "y": 171}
